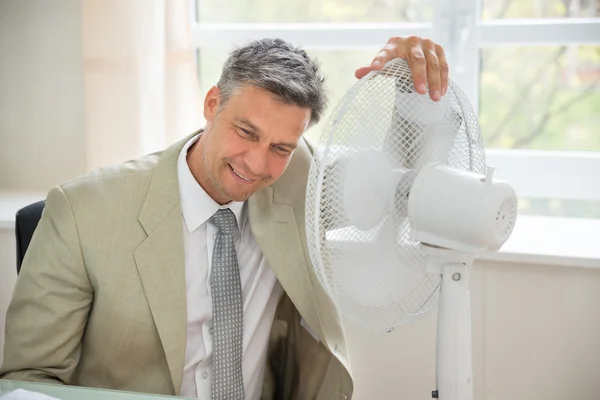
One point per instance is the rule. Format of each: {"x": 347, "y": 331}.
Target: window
{"x": 544, "y": 98}
{"x": 531, "y": 68}
{"x": 520, "y": 9}
{"x": 313, "y": 11}
{"x": 539, "y": 101}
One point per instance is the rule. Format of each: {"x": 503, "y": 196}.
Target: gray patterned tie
{"x": 228, "y": 312}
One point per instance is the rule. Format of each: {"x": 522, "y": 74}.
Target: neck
{"x": 196, "y": 162}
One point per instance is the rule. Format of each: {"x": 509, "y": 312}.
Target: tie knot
{"x": 224, "y": 220}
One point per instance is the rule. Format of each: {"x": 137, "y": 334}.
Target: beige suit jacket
{"x": 100, "y": 300}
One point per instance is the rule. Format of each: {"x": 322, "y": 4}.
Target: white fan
{"x": 399, "y": 203}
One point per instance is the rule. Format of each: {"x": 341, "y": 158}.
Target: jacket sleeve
{"x": 51, "y": 301}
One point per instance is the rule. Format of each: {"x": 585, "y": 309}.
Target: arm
{"x": 51, "y": 300}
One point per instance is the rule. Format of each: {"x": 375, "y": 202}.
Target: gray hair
{"x": 278, "y": 67}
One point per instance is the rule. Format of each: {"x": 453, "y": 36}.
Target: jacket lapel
{"x": 160, "y": 261}
{"x": 276, "y": 220}
{"x": 276, "y": 216}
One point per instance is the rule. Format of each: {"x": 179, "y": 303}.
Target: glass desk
{"x": 76, "y": 392}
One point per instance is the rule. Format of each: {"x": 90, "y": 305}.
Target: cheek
{"x": 212, "y": 145}
{"x": 277, "y": 166}
{"x": 232, "y": 145}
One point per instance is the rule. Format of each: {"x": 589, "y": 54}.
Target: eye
{"x": 245, "y": 133}
{"x": 282, "y": 150}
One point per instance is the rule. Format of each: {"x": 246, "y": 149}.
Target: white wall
{"x": 41, "y": 108}
{"x": 41, "y": 93}
{"x": 536, "y": 336}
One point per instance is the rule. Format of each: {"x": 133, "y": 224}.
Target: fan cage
{"x": 378, "y": 276}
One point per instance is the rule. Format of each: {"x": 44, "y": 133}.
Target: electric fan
{"x": 399, "y": 203}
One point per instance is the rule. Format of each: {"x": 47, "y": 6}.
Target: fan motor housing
{"x": 461, "y": 210}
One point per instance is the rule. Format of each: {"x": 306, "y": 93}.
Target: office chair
{"x": 26, "y": 221}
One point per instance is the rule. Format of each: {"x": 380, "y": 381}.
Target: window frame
{"x": 458, "y": 27}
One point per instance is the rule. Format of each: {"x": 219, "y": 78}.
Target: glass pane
{"x": 210, "y": 62}
{"x": 337, "y": 66}
{"x": 314, "y": 11}
{"x": 559, "y": 208}
{"x": 499, "y": 9}
{"x": 544, "y": 98}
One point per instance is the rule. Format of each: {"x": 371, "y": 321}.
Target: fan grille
{"x": 377, "y": 276}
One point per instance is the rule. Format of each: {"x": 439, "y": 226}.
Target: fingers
{"x": 417, "y": 63}
{"x": 387, "y": 53}
{"x": 426, "y": 60}
{"x": 362, "y": 71}
{"x": 444, "y": 69}
{"x": 433, "y": 70}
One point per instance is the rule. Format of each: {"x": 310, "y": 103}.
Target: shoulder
{"x": 111, "y": 187}
{"x": 127, "y": 171}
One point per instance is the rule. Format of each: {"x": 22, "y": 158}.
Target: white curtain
{"x": 140, "y": 77}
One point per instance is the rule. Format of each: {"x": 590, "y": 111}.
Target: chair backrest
{"x": 26, "y": 221}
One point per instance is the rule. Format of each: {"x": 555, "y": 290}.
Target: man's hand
{"x": 426, "y": 60}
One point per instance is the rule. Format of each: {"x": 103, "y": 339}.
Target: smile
{"x": 248, "y": 180}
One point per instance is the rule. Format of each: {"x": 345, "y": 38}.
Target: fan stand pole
{"x": 454, "y": 360}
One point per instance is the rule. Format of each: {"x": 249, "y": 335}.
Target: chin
{"x": 237, "y": 197}
{"x": 243, "y": 195}
{"x": 241, "y": 198}
{"x": 235, "y": 194}
{"x": 238, "y": 192}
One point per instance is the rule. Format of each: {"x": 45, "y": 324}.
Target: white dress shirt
{"x": 260, "y": 289}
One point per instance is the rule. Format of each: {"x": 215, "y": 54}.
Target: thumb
{"x": 362, "y": 71}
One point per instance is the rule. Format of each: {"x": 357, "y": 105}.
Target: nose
{"x": 257, "y": 160}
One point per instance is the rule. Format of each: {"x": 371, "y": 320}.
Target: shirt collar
{"x": 196, "y": 205}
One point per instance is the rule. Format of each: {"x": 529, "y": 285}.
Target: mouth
{"x": 240, "y": 177}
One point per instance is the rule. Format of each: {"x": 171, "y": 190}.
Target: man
{"x": 186, "y": 272}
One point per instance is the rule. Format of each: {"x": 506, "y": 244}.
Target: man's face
{"x": 248, "y": 144}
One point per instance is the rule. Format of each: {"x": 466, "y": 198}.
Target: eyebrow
{"x": 256, "y": 130}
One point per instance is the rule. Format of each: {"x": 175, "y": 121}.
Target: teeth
{"x": 243, "y": 177}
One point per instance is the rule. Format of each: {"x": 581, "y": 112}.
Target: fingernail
{"x": 444, "y": 91}
{"x": 421, "y": 88}
{"x": 376, "y": 63}
{"x": 436, "y": 94}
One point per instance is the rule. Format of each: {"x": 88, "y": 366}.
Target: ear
{"x": 211, "y": 103}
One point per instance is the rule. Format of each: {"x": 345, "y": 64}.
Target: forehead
{"x": 267, "y": 112}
